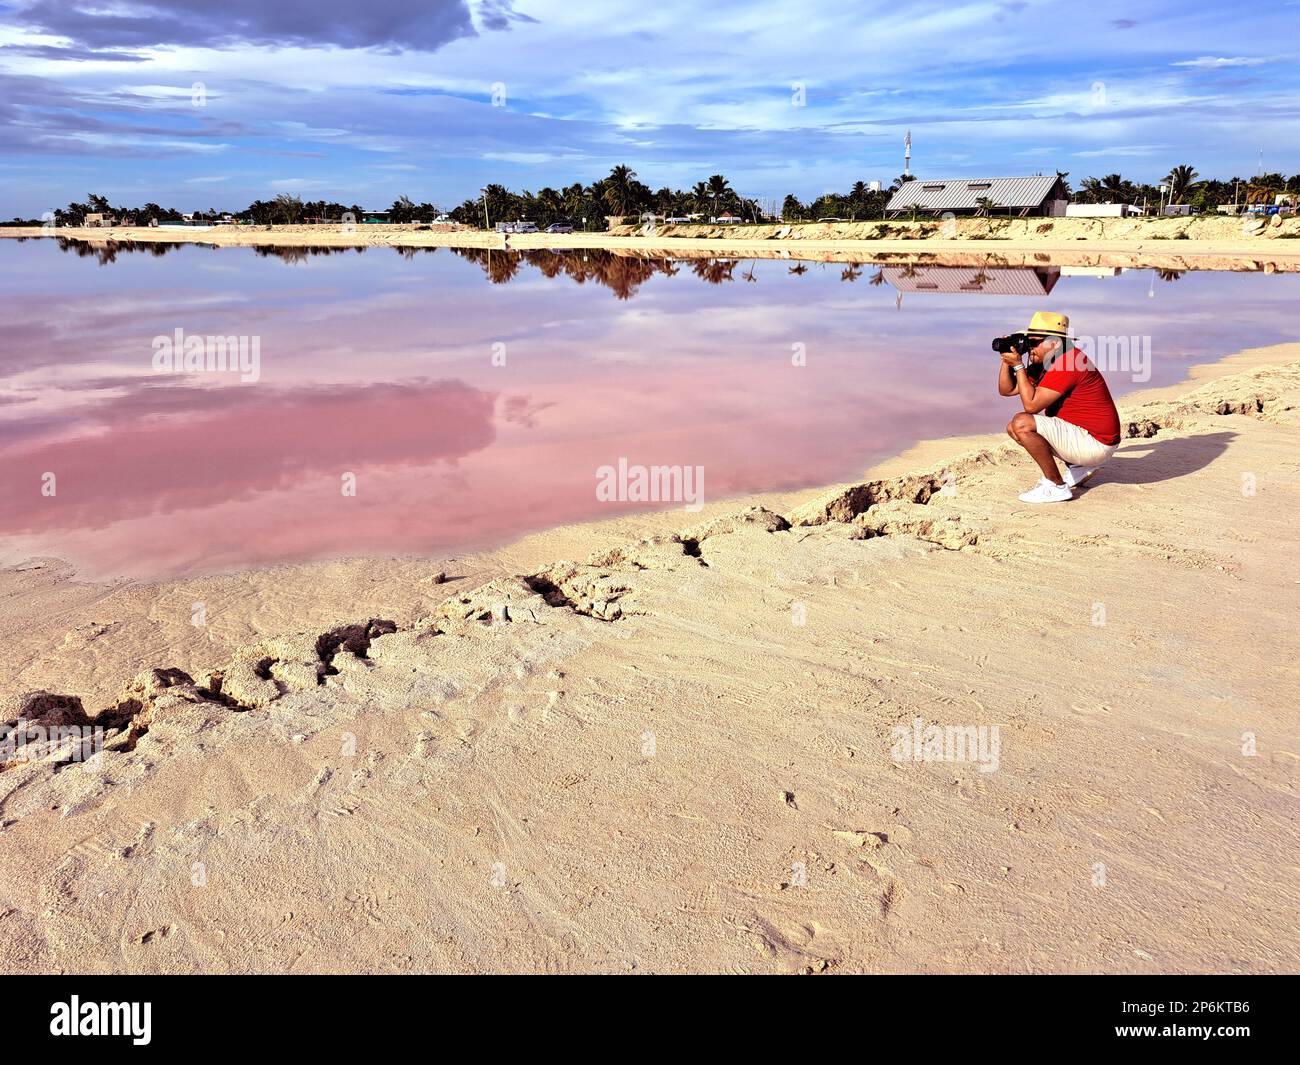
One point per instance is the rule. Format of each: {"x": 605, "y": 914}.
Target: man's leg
{"x": 1023, "y": 430}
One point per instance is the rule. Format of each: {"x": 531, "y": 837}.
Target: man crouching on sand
{"x": 1068, "y": 410}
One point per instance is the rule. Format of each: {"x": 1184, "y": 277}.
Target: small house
{"x": 1036, "y": 195}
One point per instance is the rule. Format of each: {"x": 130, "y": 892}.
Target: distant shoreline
{"x": 1218, "y": 243}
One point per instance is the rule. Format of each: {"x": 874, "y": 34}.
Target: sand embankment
{"x": 675, "y": 754}
{"x": 1168, "y": 243}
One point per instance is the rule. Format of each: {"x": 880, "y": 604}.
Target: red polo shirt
{"x": 1085, "y": 400}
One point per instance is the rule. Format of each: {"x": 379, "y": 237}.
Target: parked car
{"x": 525, "y": 227}
{"x": 559, "y": 227}
{"x": 676, "y": 221}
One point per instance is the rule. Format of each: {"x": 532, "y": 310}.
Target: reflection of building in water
{"x": 986, "y": 281}
{"x": 1091, "y": 271}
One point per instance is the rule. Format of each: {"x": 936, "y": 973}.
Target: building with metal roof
{"x": 1041, "y": 194}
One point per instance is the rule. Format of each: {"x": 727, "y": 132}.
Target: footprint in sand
{"x": 1090, "y": 709}
{"x": 346, "y": 806}
{"x": 793, "y": 944}
{"x": 154, "y": 935}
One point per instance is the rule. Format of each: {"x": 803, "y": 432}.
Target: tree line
{"x": 1183, "y": 185}
{"x": 622, "y": 195}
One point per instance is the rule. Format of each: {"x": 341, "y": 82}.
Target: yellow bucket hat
{"x": 1049, "y": 323}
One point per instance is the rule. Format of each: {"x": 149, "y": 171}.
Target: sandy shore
{"x": 675, "y": 753}
{"x": 1218, "y": 243}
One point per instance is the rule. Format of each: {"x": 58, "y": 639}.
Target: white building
{"x": 1100, "y": 210}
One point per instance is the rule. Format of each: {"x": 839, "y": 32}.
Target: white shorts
{"x": 1076, "y": 446}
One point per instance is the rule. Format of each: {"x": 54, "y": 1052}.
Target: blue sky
{"x": 363, "y": 101}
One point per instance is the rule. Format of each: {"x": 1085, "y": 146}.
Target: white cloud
{"x": 1211, "y": 62}
{"x": 1122, "y": 150}
{"x": 678, "y": 90}
{"x": 532, "y": 157}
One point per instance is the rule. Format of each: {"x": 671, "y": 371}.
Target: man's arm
{"x": 1006, "y": 373}
{"x": 1006, "y": 378}
{"x": 1034, "y": 399}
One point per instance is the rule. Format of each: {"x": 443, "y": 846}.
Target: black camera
{"x": 1017, "y": 342}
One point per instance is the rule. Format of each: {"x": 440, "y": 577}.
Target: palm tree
{"x": 288, "y": 207}
{"x": 1090, "y": 190}
{"x": 498, "y": 200}
{"x": 984, "y": 206}
{"x": 1264, "y": 188}
{"x": 857, "y": 195}
{"x": 717, "y": 188}
{"x": 1115, "y": 186}
{"x": 402, "y": 210}
{"x": 1180, "y": 180}
{"x": 620, "y": 190}
{"x": 572, "y": 198}
{"x": 700, "y": 195}
{"x": 549, "y": 203}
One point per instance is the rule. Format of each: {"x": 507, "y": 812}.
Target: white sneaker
{"x": 1076, "y": 475}
{"x": 1047, "y": 492}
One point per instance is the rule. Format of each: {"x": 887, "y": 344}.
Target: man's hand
{"x": 1006, "y": 375}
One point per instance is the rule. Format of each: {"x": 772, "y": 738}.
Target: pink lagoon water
{"x": 474, "y": 399}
